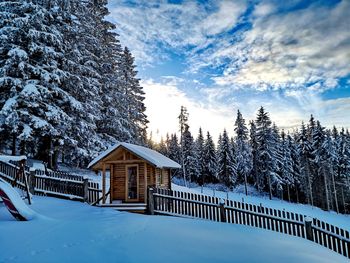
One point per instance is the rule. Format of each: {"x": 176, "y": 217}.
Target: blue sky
{"x": 292, "y": 57}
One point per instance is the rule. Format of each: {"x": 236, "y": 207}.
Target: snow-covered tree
{"x": 243, "y": 153}
{"x": 199, "y": 148}
{"x": 135, "y": 96}
{"x": 286, "y": 167}
{"x": 266, "y": 154}
{"x": 227, "y": 170}
{"x": 210, "y": 162}
{"x": 33, "y": 101}
{"x": 305, "y": 150}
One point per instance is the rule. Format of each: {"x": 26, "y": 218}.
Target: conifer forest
{"x": 69, "y": 89}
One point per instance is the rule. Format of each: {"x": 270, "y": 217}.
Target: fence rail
{"x": 177, "y": 203}
{"x": 52, "y": 183}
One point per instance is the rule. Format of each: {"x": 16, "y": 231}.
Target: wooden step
{"x": 121, "y": 205}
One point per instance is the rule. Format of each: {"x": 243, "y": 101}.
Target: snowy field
{"x": 67, "y": 231}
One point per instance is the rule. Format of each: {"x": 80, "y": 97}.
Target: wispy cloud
{"x": 291, "y": 49}
{"x": 282, "y": 55}
{"x": 151, "y": 29}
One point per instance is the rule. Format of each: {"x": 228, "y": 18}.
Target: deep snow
{"x": 71, "y": 231}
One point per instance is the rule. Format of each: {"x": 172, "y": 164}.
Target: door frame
{"x": 127, "y": 182}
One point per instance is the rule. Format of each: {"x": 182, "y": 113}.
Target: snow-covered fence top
{"x": 51, "y": 183}
{"x": 184, "y": 204}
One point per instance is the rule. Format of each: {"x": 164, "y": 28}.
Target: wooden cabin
{"x": 132, "y": 170}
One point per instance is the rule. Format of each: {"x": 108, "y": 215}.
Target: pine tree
{"x": 135, "y": 96}
{"x": 286, "y": 167}
{"x": 295, "y": 157}
{"x": 227, "y": 171}
{"x": 305, "y": 150}
{"x": 243, "y": 153}
{"x": 253, "y": 141}
{"x": 183, "y": 122}
{"x": 174, "y": 151}
{"x": 32, "y": 53}
{"x": 266, "y": 163}
{"x": 199, "y": 148}
{"x": 321, "y": 178}
{"x": 190, "y": 156}
{"x": 162, "y": 148}
{"x": 210, "y": 162}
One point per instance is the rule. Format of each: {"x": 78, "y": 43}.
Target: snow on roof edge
{"x": 149, "y": 155}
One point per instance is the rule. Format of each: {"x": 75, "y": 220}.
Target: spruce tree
{"x": 243, "y": 153}
{"x": 305, "y": 150}
{"x": 199, "y": 148}
{"x": 227, "y": 171}
{"x": 210, "y": 161}
{"x": 266, "y": 163}
{"x": 33, "y": 101}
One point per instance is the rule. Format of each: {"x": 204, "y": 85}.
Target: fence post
{"x": 86, "y": 190}
{"x": 31, "y": 181}
{"x": 150, "y": 201}
{"x": 222, "y": 211}
{"x": 308, "y": 228}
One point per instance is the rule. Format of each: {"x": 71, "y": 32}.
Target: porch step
{"x": 123, "y": 205}
{"x": 129, "y": 207}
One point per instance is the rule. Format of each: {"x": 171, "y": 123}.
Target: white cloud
{"x": 291, "y": 49}
{"x": 149, "y": 29}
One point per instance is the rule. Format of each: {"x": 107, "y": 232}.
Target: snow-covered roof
{"x": 147, "y": 154}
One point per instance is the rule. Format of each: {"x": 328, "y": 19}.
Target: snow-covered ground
{"x": 70, "y": 231}
{"x": 254, "y": 197}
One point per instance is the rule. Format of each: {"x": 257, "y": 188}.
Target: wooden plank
{"x": 103, "y": 183}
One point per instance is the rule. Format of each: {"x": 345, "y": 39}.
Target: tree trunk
{"x": 310, "y": 197}
{"x": 270, "y": 189}
{"x": 335, "y": 192}
{"x": 50, "y": 163}
{"x": 13, "y": 147}
{"x": 288, "y": 193}
{"x": 343, "y": 199}
{"x": 245, "y": 184}
{"x": 55, "y": 159}
{"x": 23, "y": 148}
{"x": 297, "y": 194}
{"x": 326, "y": 188}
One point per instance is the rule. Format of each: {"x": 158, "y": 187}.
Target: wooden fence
{"x": 56, "y": 184}
{"x": 176, "y": 203}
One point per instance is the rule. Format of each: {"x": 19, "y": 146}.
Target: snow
{"x": 8, "y": 158}
{"x": 147, "y": 154}
{"x": 30, "y": 89}
{"x": 257, "y": 198}
{"x": 17, "y": 52}
{"x": 17, "y": 201}
{"x": 75, "y": 232}
{"x": 9, "y": 104}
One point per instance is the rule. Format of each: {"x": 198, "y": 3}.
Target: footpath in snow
{"x": 71, "y": 231}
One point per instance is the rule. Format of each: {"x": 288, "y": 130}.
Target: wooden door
{"x": 132, "y": 183}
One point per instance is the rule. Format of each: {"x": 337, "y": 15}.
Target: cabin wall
{"x": 162, "y": 178}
